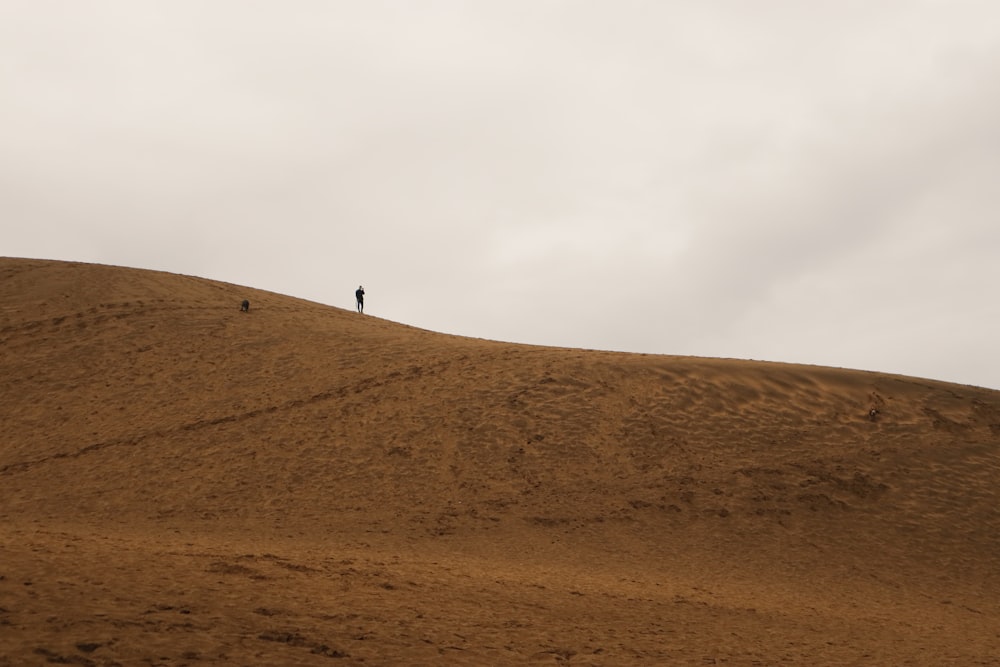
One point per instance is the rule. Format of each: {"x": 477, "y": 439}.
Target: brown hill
{"x": 182, "y": 483}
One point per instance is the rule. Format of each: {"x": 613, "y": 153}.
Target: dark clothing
{"x": 359, "y": 294}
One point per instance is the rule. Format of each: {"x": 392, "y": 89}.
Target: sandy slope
{"x": 182, "y": 483}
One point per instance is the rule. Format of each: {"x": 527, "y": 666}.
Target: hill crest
{"x": 145, "y": 407}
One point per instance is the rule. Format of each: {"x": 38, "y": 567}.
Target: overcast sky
{"x": 789, "y": 180}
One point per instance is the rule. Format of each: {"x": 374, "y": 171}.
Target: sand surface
{"x": 185, "y": 484}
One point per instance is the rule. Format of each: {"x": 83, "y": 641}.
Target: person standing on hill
{"x": 359, "y": 294}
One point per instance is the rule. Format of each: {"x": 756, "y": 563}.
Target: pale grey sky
{"x": 790, "y": 180}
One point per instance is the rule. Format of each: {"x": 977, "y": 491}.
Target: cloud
{"x": 808, "y": 183}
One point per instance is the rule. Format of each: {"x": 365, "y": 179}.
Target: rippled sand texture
{"x": 182, "y": 483}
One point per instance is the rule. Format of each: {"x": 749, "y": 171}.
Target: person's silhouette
{"x": 359, "y": 294}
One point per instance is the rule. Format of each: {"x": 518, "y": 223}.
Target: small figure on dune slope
{"x": 876, "y": 402}
{"x": 245, "y": 306}
{"x": 359, "y": 294}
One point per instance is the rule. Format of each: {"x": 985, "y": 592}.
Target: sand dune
{"x": 182, "y": 484}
